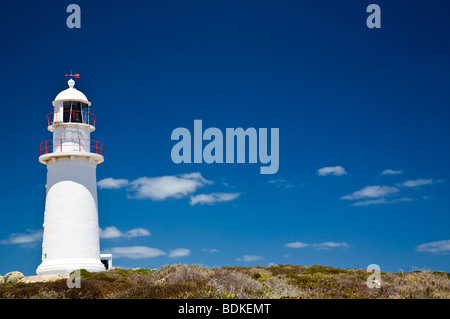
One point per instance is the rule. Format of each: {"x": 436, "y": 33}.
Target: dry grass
{"x": 423, "y": 284}
{"x": 275, "y": 282}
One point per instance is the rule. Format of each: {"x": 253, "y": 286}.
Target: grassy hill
{"x": 280, "y": 281}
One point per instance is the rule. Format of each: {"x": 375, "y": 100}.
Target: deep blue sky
{"x": 340, "y": 93}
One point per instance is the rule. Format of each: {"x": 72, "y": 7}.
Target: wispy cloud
{"x": 114, "y": 232}
{"x": 281, "y": 183}
{"x": 160, "y": 188}
{"x": 324, "y": 245}
{"x": 213, "y": 198}
{"x": 335, "y": 170}
{"x": 212, "y": 250}
{"x": 391, "y": 172}
{"x": 330, "y": 244}
{"x": 111, "y": 183}
{"x": 136, "y": 252}
{"x": 383, "y": 194}
{"x": 297, "y": 245}
{"x": 248, "y": 258}
{"x": 372, "y": 192}
{"x": 26, "y": 239}
{"x": 179, "y": 252}
{"x": 441, "y": 246}
{"x": 381, "y": 201}
{"x": 141, "y": 252}
{"x": 166, "y": 187}
{"x": 416, "y": 182}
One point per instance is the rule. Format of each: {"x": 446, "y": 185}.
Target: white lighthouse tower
{"x": 71, "y": 230}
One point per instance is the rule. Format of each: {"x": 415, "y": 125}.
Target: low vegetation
{"x": 280, "y": 281}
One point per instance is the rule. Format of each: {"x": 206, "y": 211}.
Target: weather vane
{"x": 73, "y": 75}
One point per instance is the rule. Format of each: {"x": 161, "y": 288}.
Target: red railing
{"x": 71, "y": 117}
{"x": 76, "y": 144}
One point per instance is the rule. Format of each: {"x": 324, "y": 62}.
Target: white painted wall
{"x": 72, "y": 136}
{"x": 71, "y": 231}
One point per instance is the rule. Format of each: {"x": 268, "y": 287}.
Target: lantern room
{"x": 72, "y": 124}
{"x": 71, "y": 106}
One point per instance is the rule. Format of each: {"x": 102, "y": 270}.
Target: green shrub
{"x": 260, "y": 276}
{"x": 83, "y": 273}
{"x": 122, "y": 272}
{"x": 143, "y": 271}
{"x": 324, "y": 270}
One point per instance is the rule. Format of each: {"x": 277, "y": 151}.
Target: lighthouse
{"x": 71, "y": 229}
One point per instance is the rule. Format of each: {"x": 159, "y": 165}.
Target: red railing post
{"x": 45, "y": 148}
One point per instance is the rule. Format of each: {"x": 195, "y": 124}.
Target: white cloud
{"x": 373, "y": 195}
{"x": 381, "y": 201}
{"x": 196, "y": 176}
{"x": 249, "y": 258}
{"x": 416, "y": 182}
{"x": 213, "y": 198}
{"x": 370, "y": 202}
{"x": 213, "y": 250}
{"x": 114, "y": 232}
{"x": 111, "y": 183}
{"x": 372, "y": 192}
{"x": 330, "y": 244}
{"x": 137, "y": 232}
{"x": 179, "y": 252}
{"x": 136, "y": 252}
{"x": 391, "y": 172}
{"x": 33, "y": 236}
{"x": 297, "y": 245}
{"x": 324, "y": 245}
{"x": 160, "y": 188}
{"x": 336, "y": 171}
{"x": 164, "y": 187}
{"x": 110, "y": 232}
{"x": 280, "y": 182}
{"x": 440, "y": 246}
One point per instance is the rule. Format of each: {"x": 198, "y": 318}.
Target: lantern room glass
{"x": 75, "y": 112}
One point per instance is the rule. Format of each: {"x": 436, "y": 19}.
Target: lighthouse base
{"x": 68, "y": 265}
